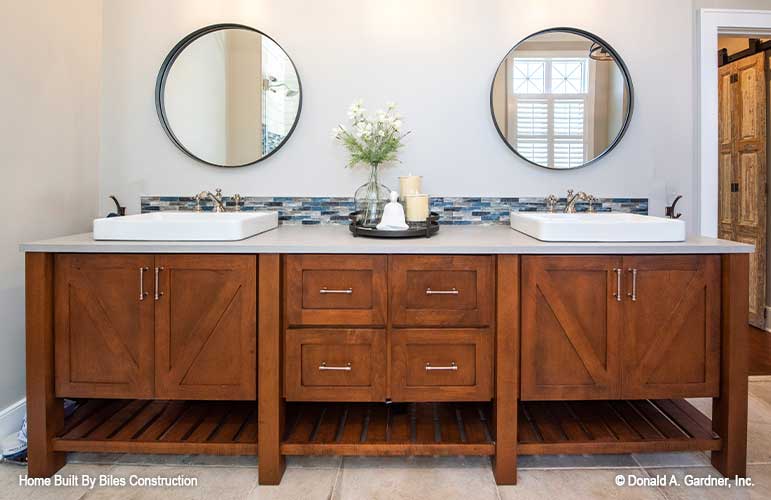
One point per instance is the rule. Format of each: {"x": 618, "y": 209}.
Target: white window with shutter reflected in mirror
{"x": 549, "y": 97}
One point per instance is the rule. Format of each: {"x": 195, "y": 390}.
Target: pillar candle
{"x": 417, "y": 207}
{"x": 409, "y": 184}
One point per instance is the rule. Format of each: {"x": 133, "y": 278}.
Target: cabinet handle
{"x": 142, "y": 293}
{"x": 453, "y": 367}
{"x": 633, "y": 293}
{"x": 324, "y": 367}
{"x": 347, "y": 291}
{"x": 452, "y": 291}
{"x": 617, "y": 293}
{"x": 158, "y": 293}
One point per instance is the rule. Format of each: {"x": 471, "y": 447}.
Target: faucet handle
{"x": 237, "y": 202}
{"x": 551, "y": 203}
{"x": 591, "y": 199}
{"x": 218, "y": 192}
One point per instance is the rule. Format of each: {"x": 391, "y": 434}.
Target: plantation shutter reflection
{"x": 550, "y": 121}
{"x": 533, "y": 129}
{"x": 568, "y": 138}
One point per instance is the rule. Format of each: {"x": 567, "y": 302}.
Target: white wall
{"x": 436, "y": 58}
{"x": 48, "y": 146}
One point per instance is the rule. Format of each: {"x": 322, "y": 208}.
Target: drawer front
{"x": 441, "y": 290}
{"x": 335, "y": 365}
{"x": 347, "y": 290}
{"x": 441, "y": 365}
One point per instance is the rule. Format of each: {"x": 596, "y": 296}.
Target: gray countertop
{"x": 477, "y": 239}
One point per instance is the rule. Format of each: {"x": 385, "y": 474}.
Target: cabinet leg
{"x": 729, "y": 411}
{"x": 506, "y": 370}
{"x": 270, "y": 410}
{"x": 45, "y": 413}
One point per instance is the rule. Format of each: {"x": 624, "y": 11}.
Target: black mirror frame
{"x": 163, "y": 73}
{"x": 627, "y": 80}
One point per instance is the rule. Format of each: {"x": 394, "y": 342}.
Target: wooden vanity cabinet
{"x": 609, "y": 327}
{"x": 122, "y": 332}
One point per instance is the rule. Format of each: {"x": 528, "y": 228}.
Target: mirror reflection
{"x": 561, "y": 99}
{"x": 229, "y": 97}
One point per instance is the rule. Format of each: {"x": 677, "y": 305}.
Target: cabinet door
{"x": 671, "y": 340}
{"x": 571, "y": 319}
{"x": 103, "y": 326}
{"x": 206, "y": 327}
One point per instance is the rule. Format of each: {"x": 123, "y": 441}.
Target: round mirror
{"x": 561, "y": 98}
{"x": 228, "y": 95}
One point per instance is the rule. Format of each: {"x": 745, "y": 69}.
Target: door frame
{"x": 710, "y": 23}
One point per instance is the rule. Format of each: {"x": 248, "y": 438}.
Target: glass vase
{"x": 370, "y": 199}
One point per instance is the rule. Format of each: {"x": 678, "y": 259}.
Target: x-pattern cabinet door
{"x": 205, "y": 327}
{"x": 571, "y": 322}
{"x": 103, "y": 325}
{"x": 671, "y": 341}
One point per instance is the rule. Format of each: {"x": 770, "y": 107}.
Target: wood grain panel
{"x": 415, "y": 352}
{"x": 307, "y": 350}
{"x": 441, "y": 291}
{"x": 571, "y": 324}
{"x": 671, "y": 341}
{"x": 742, "y": 181}
{"x": 206, "y": 327}
{"x": 314, "y": 284}
{"x": 104, "y": 326}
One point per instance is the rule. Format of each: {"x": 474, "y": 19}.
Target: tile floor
{"x": 423, "y": 478}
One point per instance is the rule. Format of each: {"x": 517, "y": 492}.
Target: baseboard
{"x": 12, "y": 416}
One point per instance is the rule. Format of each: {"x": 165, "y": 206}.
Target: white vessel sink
{"x": 185, "y": 226}
{"x": 598, "y": 227}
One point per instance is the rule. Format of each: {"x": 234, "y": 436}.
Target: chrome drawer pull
{"x": 617, "y": 293}
{"x": 633, "y": 293}
{"x": 453, "y": 367}
{"x": 142, "y": 293}
{"x": 347, "y": 291}
{"x": 452, "y": 291}
{"x": 324, "y": 367}
{"x": 158, "y": 293}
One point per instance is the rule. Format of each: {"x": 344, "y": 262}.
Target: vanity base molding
{"x": 161, "y": 427}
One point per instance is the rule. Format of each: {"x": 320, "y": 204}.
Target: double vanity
{"x": 305, "y": 341}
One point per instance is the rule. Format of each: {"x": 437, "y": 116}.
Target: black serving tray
{"x": 416, "y": 230}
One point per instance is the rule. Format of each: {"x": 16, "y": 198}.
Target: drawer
{"x": 441, "y": 290}
{"x": 348, "y": 290}
{"x": 441, "y": 365}
{"x": 335, "y": 365}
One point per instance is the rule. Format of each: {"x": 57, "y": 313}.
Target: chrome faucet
{"x": 570, "y": 203}
{"x": 219, "y": 206}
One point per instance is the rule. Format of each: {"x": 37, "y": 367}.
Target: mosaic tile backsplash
{"x": 451, "y": 210}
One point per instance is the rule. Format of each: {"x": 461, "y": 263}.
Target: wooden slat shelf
{"x": 171, "y": 427}
{"x": 585, "y": 427}
{"x": 388, "y": 429}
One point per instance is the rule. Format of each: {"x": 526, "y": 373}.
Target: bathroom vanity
{"x": 305, "y": 341}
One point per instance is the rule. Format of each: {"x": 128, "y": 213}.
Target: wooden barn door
{"x": 742, "y": 167}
